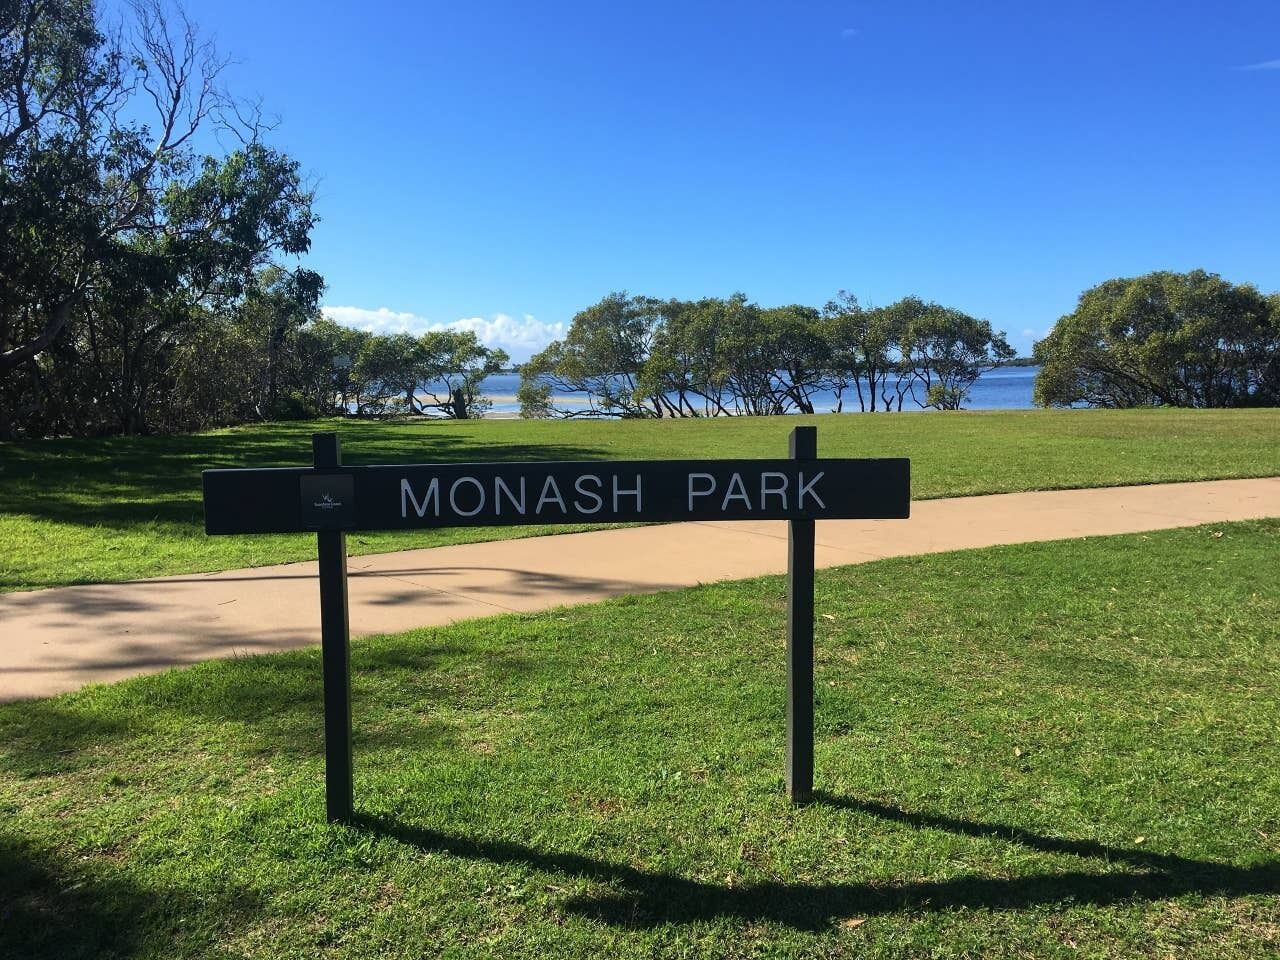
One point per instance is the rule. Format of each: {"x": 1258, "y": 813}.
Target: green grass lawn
{"x": 76, "y": 511}
{"x": 1054, "y": 750}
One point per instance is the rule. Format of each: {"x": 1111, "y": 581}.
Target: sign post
{"x": 804, "y": 447}
{"x": 335, "y": 648}
{"x": 331, "y": 499}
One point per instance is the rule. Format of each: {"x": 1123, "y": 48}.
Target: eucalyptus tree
{"x": 116, "y": 237}
{"x": 843, "y": 367}
{"x": 276, "y": 306}
{"x": 800, "y": 350}
{"x": 946, "y": 351}
{"x": 458, "y": 362}
{"x": 1181, "y": 339}
{"x": 729, "y": 356}
{"x": 321, "y": 361}
{"x": 93, "y": 129}
{"x": 683, "y": 373}
{"x": 389, "y": 370}
{"x": 744, "y": 361}
{"x": 769, "y": 360}
{"x": 864, "y": 349}
{"x": 600, "y": 360}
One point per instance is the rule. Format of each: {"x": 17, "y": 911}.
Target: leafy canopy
{"x": 642, "y": 357}
{"x": 1177, "y": 339}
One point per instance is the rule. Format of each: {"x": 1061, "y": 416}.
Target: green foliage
{"x": 388, "y": 370}
{"x": 323, "y": 356}
{"x": 601, "y": 358}
{"x": 910, "y": 349}
{"x": 766, "y": 361}
{"x": 124, "y": 255}
{"x": 860, "y": 343}
{"x": 1178, "y": 339}
{"x": 458, "y": 363}
{"x": 641, "y": 357}
{"x": 1041, "y": 751}
{"x": 71, "y": 175}
{"x": 442, "y": 371}
{"x": 534, "y": 397}
{"x": 946, "y": 350}
{"x": 683, "y": 371}
{"x": 292, "y": 406}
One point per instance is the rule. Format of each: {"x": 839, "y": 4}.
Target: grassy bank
{"x": 118, "y": 509}
{"x": 1053, "y": 750}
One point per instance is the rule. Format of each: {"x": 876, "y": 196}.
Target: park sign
{"x": 419, "y": 496}
{"x": 332, "y": 500}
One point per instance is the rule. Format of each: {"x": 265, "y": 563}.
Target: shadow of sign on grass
{"x": 646, "y": 899}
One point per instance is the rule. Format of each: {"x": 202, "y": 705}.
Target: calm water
{"x": 1008, "y": 388}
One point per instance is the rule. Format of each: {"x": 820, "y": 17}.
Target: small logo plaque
{"x": 328, "y": 501}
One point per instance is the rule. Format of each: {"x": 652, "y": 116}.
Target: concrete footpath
{"x": 63, "y": 638}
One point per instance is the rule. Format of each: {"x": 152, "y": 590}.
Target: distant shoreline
{"x": 1007, "y": 387}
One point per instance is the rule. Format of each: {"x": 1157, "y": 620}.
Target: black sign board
{"x": 486, "y": 494}
{"x": 332, "y": 500}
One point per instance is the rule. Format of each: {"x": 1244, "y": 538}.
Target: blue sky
{"x": 503, "y": 165}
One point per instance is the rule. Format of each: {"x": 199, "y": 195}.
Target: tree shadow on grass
{"x": 109, "y": 632}
{"x": 50, "y": 908}
{"x": 273, "y": 705}
{"x": 639, "y": 898}
{"x": 121, "y": 483}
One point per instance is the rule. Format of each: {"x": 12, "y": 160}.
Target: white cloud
{"x": 849, "y": 32}
{"x": 519, "y": 336}
{"x": 381, "y": 320}
{"x": 1264, "y": 65}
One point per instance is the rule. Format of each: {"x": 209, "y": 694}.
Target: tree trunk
{"x": 10, "y": 359}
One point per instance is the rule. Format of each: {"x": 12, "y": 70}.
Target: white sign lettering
{"x": 590, "y": 494}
